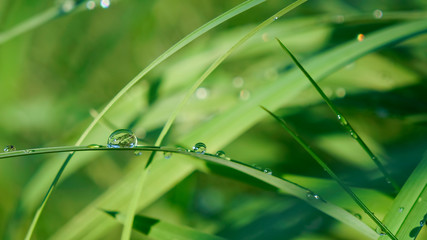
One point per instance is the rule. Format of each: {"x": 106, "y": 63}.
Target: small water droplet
{"x": 268, "y": 171}
{"x": 401, "y": 209}
{"x": 275, "y": 18}
{"x": 122, "y": 138}
{"x": 315, "y": 196}
{"x": 94, "y": 146}
{"x": 380, "y": 231}
{"x": 340, "y": 92}
{"x": 28, "y": 151}
{"x": 167, "y": 155}
{"x": 138, "y": 153}
{"x": 199, "y": 148}
{"x": 342, "y": 120}
{"x": 244, "y": 94}
{"x": 201, "y": 93}
{"x": 339, "y": 19}
{"x": 181, "y": 149}
{"x": 105, "y": 3}
{"x": 378, "y": 14}
{"x": 90, "y": 5}
{"x": 358, "y": 216}
{"x": 238, "y": 82}
{"x": 68, "y": 5}
{"x": 9, "y": 148}
{"x": 360, "y": 37}
{"x": 422, "y": 222}
{"x": 220, "y": 154}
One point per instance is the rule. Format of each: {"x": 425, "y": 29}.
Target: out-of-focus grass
{"x": 52, "y": 76}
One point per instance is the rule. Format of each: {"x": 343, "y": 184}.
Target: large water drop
{"x": 122, "y": 138}
{"x": 199, "y": 148}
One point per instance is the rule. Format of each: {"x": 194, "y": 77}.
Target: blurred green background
{"x": 55, "y": 76}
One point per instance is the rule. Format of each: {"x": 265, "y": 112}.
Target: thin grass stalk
{"x": 344, "y": 122}
{"x": 333, "y": 175}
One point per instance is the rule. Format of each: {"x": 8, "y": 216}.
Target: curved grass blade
{"x": 344, "y": 122}
{"x": 161, "y": 230}
{"x": 409, "y": 208}
{"x": 283, "y": 185}
{"x": 333, "y": 175}
{"x": 232, "y": 123}
{"x": 139, "y": 185}
{"x": 192, "y": 36}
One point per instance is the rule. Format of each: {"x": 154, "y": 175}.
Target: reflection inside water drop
{"x": 9, "y": 148}
{"x": 199, "y": 148}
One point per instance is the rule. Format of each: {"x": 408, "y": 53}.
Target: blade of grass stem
{"x": 333, "y": 175}
{"x": 183, "y": 42}
{"x": 140, "y": 182}
{"x": 344, "y": 122}
{"x": 410, "y": 205}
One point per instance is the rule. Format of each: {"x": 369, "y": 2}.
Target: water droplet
{"x": 342, "y": 120}
{"x": 67, "y": 6}
{"x": 90, "y": 5}
{"x": 353, "y": 134}
{"x": 138, "y": 153}
{"x": 9, "y": 148}
{"x": 339, "y": 19}
{"x": 122, "y": 138}
{"x": 315, "y": 196}
{"x": 401, "y": 209}
{"x": 360, "y": 37}
{"x": 199, "y": 148}
{"x": 28, "y": 151}
{"x": 268, "y": 171}
{"x": 238, "y": 82}
{"x": 244, "y": 94}
{"x": 358, "y": 216}
{"x": 275, "y": 18}
{"x": 94, "y": 146}
{"x": 422, "y": 222}
{"x": 105, "y": 3}
{"x": 378, "y": 14}
{"x": 220, "y": 154}
{"x": 181, "y": 149}
{"x": 340, "y": 92}
{"x": 380, "y": 231}
{"x": 167, "y": 155}
{"x": 202, "y": 93}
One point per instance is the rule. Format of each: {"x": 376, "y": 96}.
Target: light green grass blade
{"x": 343, "y": 120}
{"x": 198, "y": 32}
{"x": 162, "y": 230}
{"x": 233, "y": 123}
{"x": 325, "y": 167}
{"x": 139, "y": 185}
{"x": 410, "y": 206}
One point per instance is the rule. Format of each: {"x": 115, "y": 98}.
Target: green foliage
{"x": 70, "y": 77}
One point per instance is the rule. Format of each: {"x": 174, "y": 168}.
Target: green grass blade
{"x": 410, "y": 206}
{"x": 162, "y": 230}
{"x": 343, "y": 120}
{"x": 189, "y": 38}
{"x": 332, "y": 174}
{"x": 139, "y": 185}
{"x": 31, "y": 23}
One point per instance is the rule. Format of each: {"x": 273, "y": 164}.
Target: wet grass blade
{"x": 186, "y": 40}
{"x": 140, "y": 182}
{"x": 161, "y": 230}
{"x": 344, "y": 122}
{"x": 333, "y": 175}
{"x": 409, "y": 210}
